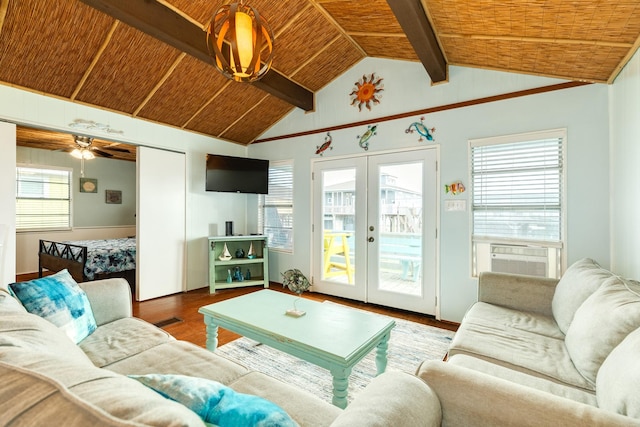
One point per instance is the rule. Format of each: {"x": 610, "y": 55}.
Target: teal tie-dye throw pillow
{"x": 216, "y": 403}
{"x": 58, "y": 299}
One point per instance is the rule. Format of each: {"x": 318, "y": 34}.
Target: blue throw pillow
{"x": 58, "y": 299}
{"x": 216, "y": 403}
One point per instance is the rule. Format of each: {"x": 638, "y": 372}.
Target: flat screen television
{"x": 237, "y": 174}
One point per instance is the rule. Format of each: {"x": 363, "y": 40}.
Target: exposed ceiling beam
{"x": 4, "y": 6}
{"x": 413, "y": 20}
{"x": 164, "y": 24}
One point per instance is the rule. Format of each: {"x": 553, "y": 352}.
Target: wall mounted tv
{"x": 237, "y": 174}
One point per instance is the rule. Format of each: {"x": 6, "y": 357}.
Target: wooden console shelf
{"x": 219, "y": 270}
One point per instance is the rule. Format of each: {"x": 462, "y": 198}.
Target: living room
{"x": 595, "y": 115}
{"x": 598, "y": 120}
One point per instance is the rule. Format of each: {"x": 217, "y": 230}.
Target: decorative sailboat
{"x": 225, "y": 255}
{"x": 252, "y": 253}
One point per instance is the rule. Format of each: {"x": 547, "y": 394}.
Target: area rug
{"x": 410, "y": 344}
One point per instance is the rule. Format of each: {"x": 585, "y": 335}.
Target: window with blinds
{"x": 275, "y": 213}
{"x": 43, "y": 198}
{"x": 517, "y": 187}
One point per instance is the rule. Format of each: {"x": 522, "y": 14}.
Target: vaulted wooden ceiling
{"x": 72, "y": 50}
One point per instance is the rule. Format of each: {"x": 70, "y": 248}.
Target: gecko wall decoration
{"x": 320, "y": 149}
{"x": 363, "y": 140}
{"x": 422, "y": 130}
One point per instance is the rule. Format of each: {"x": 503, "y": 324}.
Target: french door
{"x": 375, "y": 229}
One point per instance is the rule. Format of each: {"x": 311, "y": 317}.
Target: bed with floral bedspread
{"x": 88, "y": 259}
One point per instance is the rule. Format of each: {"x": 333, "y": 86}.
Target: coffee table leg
{"x": 340, "y": 386}
{"x": 381, "y": 354}
{"x": 212, "y": 334}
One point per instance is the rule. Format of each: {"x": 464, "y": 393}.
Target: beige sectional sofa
{"x": 46, "y": 379}
{"x": 537, "y": 351}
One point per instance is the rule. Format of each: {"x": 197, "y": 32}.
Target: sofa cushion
{"x": 509, "y": 344}
{"x": 121, "y": 339}
{"x": 117, "y": 395}
{"x": 305, "y": 408}
{"x": 30, "y": 399}
{"x": 601, "y": 323}
{"x": 618, "y": 381}
{"x": 216, "y": 403}
{"x": 485, "y": 313}
{"x": 9, "y": 304}
{"x": 181, "y": 358}
{"x": 523, "y": 378}
{"x": 580, "y": 280}
{"x": 30, "y": 332}
{"x": 58, "y": 299}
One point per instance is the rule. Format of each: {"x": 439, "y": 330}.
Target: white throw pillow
{"x": 576, "y": 285}
{"x": 619, "y": 377}
{"x": 601, "y": 323}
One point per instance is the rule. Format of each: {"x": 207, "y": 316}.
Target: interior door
{"x": 160, "y": 223}
{"x": 374, "y": 232}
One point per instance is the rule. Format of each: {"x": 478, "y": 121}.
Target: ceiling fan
{"x": 84, "y": 149}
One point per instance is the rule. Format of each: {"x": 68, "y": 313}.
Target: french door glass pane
{"x": 339, "y": 221}
{"x": 400, "y": 226}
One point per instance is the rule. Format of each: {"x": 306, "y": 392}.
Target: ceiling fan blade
{"x": 101, "y": 153}
{"x": 121, "y": 150}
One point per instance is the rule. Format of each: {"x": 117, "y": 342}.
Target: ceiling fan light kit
{"x": 82, "y": 153}
{"x": 241, "y": 42}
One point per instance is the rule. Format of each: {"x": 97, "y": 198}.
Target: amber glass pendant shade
{"x": 240, "y": 42}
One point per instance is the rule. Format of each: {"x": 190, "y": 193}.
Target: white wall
{"x": 582, "y": 110}
{"x": 625, "y": 170}
{"x": 8, "y": 203}
{"x": 206, "y": 212}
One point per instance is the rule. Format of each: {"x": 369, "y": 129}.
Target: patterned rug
{"x": 409, "y": 345}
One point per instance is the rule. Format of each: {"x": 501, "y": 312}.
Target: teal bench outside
{"x": 406, "y": 248}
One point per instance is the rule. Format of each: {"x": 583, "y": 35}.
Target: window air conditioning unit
{"x": 532, "y": 261}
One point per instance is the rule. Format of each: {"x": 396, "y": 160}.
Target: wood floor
{"x": 191, "y": 326}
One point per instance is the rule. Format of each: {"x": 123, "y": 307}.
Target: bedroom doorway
{"x": 375, "y": 229}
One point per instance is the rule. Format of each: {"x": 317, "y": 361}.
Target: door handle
{"x": 371, "y": 239}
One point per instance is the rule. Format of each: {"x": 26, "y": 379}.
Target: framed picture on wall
{"x": 113, "y": 197}
{"x": 88, "y": 185}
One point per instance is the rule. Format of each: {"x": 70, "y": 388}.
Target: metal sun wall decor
{"x": 454, "y": 188}
{"x": 366, "y": 91}
{"x": 363, "y": 140}
{"x": 421, "y": 129}
{"x": 320, "y": 149}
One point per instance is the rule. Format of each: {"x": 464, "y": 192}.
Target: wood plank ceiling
{"x": 69, "y": 50}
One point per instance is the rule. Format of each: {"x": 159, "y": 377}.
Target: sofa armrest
{"x": 519, "y": 292}
{"x": 468, "y": 397}
{"x": 392, "y": 399}
{"x": 110, "y": 299}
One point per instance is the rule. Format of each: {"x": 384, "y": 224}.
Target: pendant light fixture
{"x": 240, "y": 42}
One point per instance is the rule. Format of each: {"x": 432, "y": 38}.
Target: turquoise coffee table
{"x": 331, "y": 336}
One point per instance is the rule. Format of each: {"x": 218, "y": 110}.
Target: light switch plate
{"x": 455, "y": 205}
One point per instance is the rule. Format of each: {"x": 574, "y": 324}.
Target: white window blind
{"x": 43, "y": 198}
{"x": 275, "y": 215}
{"x": 518, "y": 187}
